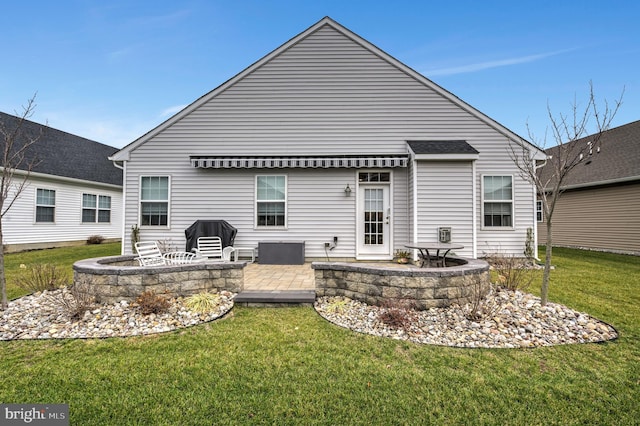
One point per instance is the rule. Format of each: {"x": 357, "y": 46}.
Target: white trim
{"x": 474, "y": 211}
{"x": 414, "y": 172}
{"x": 124, "y": 153}
{"x": 257, "y": 227}
{"x": 124, "y": 207}
{"x": 96, "y": 209}
{"x": 359, "y": 227}
{"x": 168, "y": 201}
{"x": 513, "y": 201}
{"x": 535, "y": 221}
{"x": 36, "y": 205}
{"x": 64, "y": 179}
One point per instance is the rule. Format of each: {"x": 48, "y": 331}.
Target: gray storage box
{"x": 281, "y": 252}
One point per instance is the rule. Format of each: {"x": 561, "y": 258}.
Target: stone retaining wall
{"x": 111, "y": 279}
{"x": 426, "y": 288}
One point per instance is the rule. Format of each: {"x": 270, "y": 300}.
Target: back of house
{"x": 332, "y": 143}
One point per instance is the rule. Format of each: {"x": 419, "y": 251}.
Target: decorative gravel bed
{"x": 40, "y": 316}
{"x": 511, "y": 320}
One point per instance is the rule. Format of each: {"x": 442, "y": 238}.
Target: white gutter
{"x": 65, "y": 179}
{"x": 414, "y": 172}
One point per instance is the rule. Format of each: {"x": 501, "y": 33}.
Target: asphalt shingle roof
{"x": 63, "y": 154}
{"x": 441, "y": 147}
{"x": 618, "y": 157}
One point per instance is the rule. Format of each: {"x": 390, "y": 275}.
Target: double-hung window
{"x": 154, "y": 200}
{"x": 45, "y": 205}
{"x": 497, "y": 201}
{"x": 271, "y": 201}
{"x": 539, "y": 215}
{"x": 96, "y": 208}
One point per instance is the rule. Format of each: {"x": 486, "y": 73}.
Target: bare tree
{"x": 576, "y": 135}
{"x": 16, "y": 167}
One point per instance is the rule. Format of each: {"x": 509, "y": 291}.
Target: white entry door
{"x": 374, "y": 222}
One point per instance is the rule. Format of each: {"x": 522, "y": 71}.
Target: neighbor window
{"x": 96, "y": 208}
{"x": 497, "y": 198}
{"x": 539, "y": 215}
{"x": 271, "y": 200}
{"x": 45, "y": 205}
{"x": 154, "y": 201}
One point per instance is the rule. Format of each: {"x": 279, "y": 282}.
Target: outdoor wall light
{"x": 347, "y": 191}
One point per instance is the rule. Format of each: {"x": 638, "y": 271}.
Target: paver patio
{"x": 260, "y": 277}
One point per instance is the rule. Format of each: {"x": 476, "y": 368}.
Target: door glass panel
{"x": 374, "y": 216}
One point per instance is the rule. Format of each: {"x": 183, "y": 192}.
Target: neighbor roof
{"x": 441, "y": 147}
{"x": 124, "y": 154}
{"x": 615, "y": 158}
{"x": 62, "y": 154}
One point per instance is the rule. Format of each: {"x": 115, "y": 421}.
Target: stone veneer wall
{"x": 115, "y": 278}
{"x": 425, "y": 287}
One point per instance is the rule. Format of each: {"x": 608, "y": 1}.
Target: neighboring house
{"x": 600, "y": 206}
{"x": 329, "y": 139}
{"x": 73, "y": 192}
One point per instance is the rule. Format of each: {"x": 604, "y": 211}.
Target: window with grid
{"x": 45, "y": 205}
{"x": 497, "y": 201}
{"x": 271, "y": 201}
{"x": 154, "y": 201}
{"x": 539, "y": 215}
{"x": 96, "y": 208}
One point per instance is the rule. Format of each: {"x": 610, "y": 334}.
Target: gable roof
{"x": 616, "y": 158}
{"x": 62, "y": 154}
{"x": 124, "y": 154}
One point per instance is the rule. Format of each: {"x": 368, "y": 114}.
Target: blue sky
{"x": 112, "y": 70}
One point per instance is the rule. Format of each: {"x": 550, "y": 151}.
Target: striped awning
{"x": 206, "y": 162}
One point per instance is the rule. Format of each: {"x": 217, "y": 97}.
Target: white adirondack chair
{"x": 210, "y": 248}
{"x": 149, "y": 254}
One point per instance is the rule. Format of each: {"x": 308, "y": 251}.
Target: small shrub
{"x": 152, "y": 303}
{"x": 202, "y": 302}
{"x": 74, "y": 302}
{"x": 512, "y": 273}
{"x": 477, "y": 307}
{"x": 397, "y": 314}
{"x": 337, "y": 304}
{"x": 95, "y": 239}
{"x": 135, "y": 237}
{"x": 41, "y": 277}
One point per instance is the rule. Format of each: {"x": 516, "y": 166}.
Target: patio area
{"x": 260, "y": 277}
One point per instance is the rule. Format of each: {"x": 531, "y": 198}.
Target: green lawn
{"x": 289, "y": 366}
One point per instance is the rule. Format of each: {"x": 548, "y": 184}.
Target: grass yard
{"x": 289, "y": 366}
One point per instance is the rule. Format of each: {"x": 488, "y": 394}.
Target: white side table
{"x": 249, "y": 251}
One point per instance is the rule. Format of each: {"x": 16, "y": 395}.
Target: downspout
{"x": 124, "y": 201}
{"x": 474, "y": 212}
{"x": 535, "y": 212}
{"x": 414, "y": 173}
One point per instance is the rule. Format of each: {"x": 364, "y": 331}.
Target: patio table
{"x": 424, "y": 248}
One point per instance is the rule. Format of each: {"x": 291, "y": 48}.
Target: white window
{"x": 154, "y": 201}
{"x": 497, "y": 201}
{"x": 271, "y": 201}
{"x": 539, "y": 215}
{"x": 45, "y": 205}
{"x": 96, "y": 208}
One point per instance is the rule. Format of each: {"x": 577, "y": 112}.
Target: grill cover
{"x": 210, "y": 228}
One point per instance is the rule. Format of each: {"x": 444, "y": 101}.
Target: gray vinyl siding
{"x": 19, "y": 224}
{"x": 444, "y": 200}
{"x": 604, "y": 218}
{"x": 325, "y": 95}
